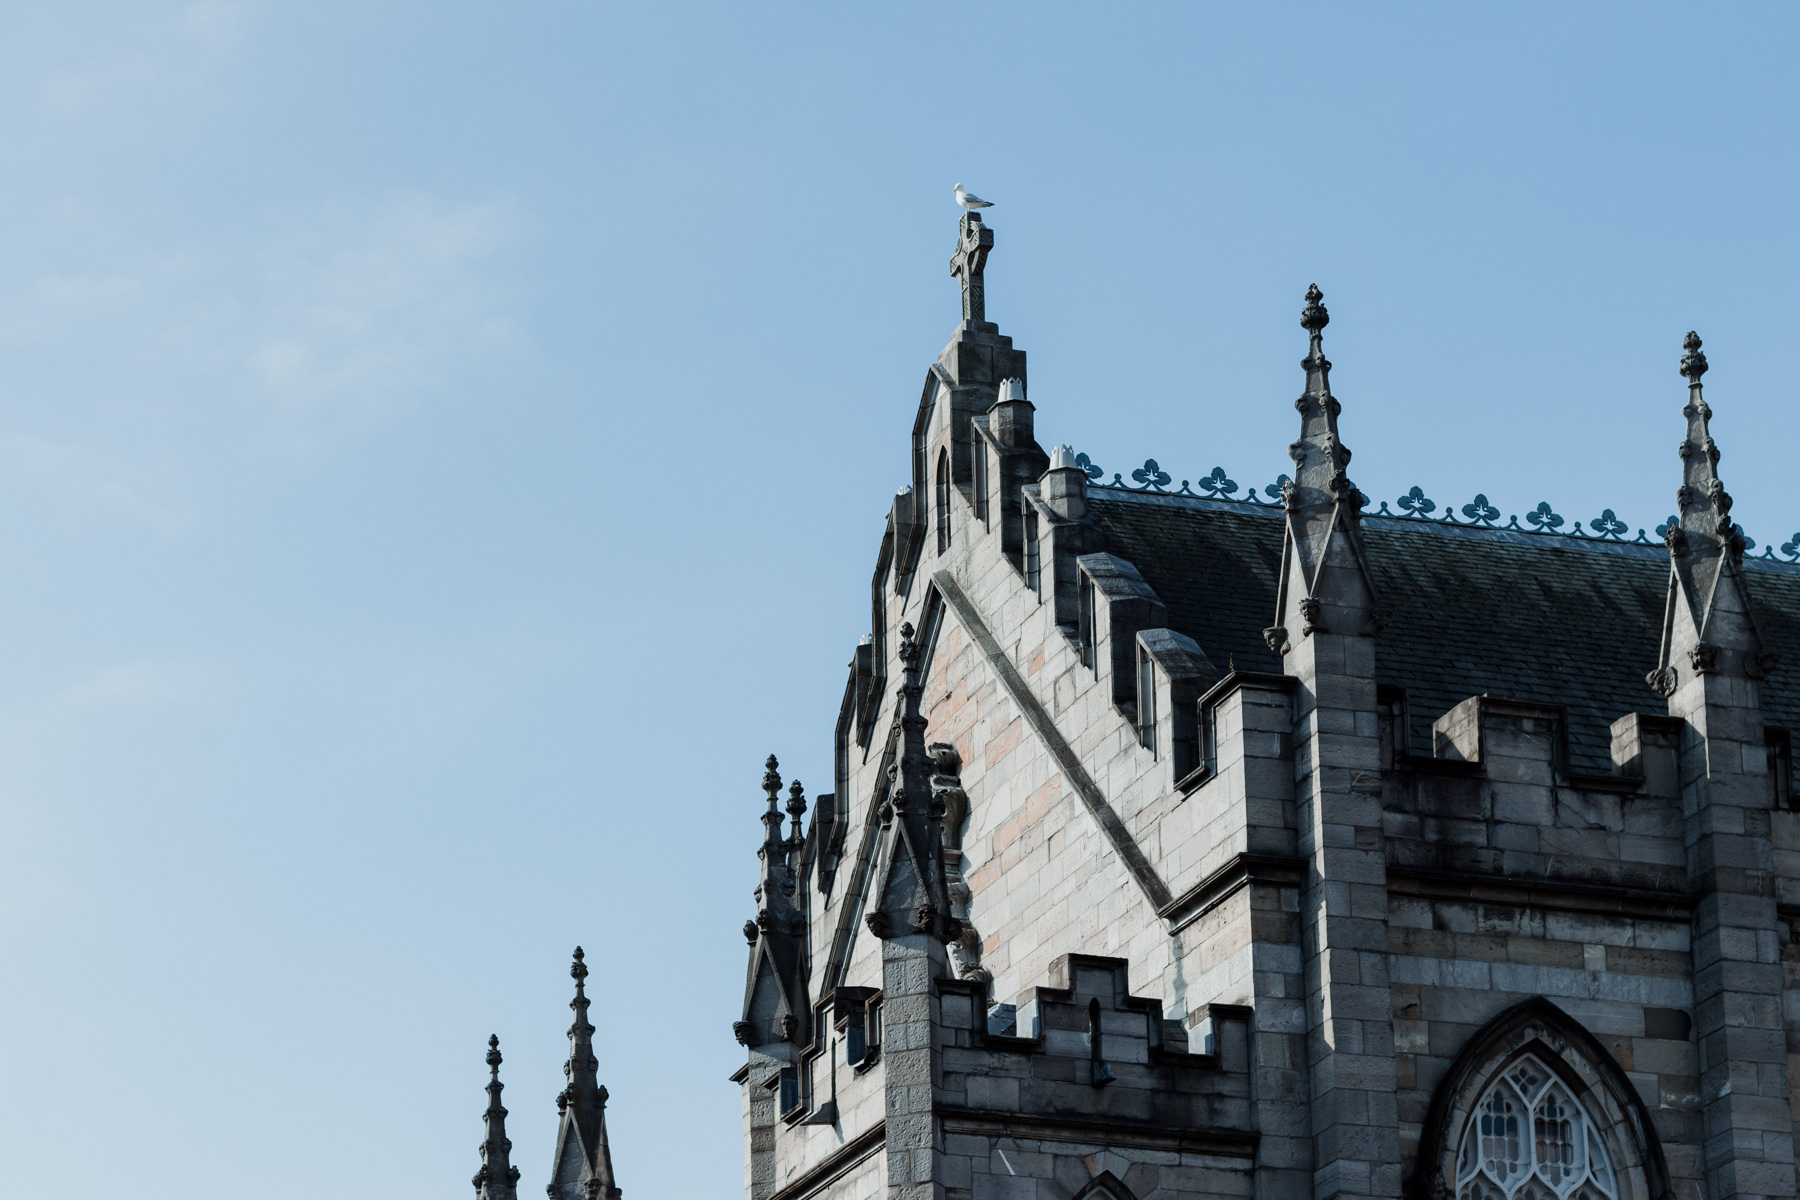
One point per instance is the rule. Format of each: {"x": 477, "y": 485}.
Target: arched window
{"x": 943, "y": 501}
{"x": 1104, "y": 1186}
{"x": 1534, "y": 1108}
{"x": 1530, "y": 1139}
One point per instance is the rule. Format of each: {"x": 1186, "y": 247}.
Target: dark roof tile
{"x": 1523, "y": 616}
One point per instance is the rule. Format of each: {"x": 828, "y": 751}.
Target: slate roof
{"x": 1516, "y": 615}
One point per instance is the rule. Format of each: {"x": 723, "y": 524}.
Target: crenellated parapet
{"x": 1374, "y": 802}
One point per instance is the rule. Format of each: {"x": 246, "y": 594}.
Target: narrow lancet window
{"x": 1087, "y": 621}
{"x": 943, "y": 501}
{"x": 981, "y": 479}
{"x": 1146, "y": 700}
{"x": 1031, "y": 550}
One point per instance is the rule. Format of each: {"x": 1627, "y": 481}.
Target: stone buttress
{"x": 1712, "y": 666}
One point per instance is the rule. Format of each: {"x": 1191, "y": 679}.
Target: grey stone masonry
{"x": 1182, "y": 846}
{"x": 1713, "y": 663}
{"x": 1325, "y": 631}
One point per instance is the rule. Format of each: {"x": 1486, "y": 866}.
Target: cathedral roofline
{"x": 1385, "y": 518}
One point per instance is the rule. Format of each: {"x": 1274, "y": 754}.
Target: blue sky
{"x": 443, "y": 448}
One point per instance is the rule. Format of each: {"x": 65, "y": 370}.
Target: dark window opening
{"x": 1031, "y": 550}
{"x": 1781, "y": 767}
{"x": 1184, "y": 738}
{"x": 1146, "y": 701}
{"x": 1087, "y": 622}
{"x": 858, "y": 1020}
{"x": 1102, "y": 1070}
{"x": 943, "y": 501}
{"x": 790, "y": 1089}
{"x": 981, "y": 480}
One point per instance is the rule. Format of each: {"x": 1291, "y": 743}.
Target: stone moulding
{"x": 1095, "y": 1130}
{"x": 1235, "y": 875}
{"x": 1155, "y": 890}
{"x": 1593, "y": 898}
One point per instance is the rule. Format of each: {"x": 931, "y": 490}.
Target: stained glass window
{"x": 1530, "y": 1139}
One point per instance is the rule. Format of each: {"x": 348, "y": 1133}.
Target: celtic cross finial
{"x": 972, "y": 245}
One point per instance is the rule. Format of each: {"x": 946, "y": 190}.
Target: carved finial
{"x": 909, "y": 649}
{"x": 1325, "y": 583}
{"x": 582, "y": 1103}
{"x": 498, "y": 1178}
{"x": 1706, "y": 549}
{"x": 1693, "y": 363}
{"x": 1314, "y": 317}
{"x": 771, "y": 817}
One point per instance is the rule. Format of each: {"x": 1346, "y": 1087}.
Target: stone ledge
{"x": 839, "y": 1164}
{"x": 1235, "y": 1143}
{"x": 1226, "y": 881}
{"x": 1541, "y": 893}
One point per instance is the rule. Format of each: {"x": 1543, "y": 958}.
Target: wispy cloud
{"x": 89, "y": 482}
{"x": 154, "y": 46}
{"x": 371, "y": 309}
{"x": 44, "y": 307}
{"x": 70, "y": 91}
{"x": 216, "y": 22}
{"x": 306, "y": 327}
{"x": 149, "y": 683}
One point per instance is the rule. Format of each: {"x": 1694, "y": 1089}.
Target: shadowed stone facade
{"x": 1179, "y": 847}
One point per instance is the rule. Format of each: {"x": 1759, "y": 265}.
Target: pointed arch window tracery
{"x": 1530, "y": 1138}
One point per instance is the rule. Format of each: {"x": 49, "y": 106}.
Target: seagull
{"x": 969, "y": 200}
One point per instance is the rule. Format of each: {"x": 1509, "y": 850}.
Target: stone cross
{"x": 969, "y": 261}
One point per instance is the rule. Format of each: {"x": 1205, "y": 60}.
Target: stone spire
{"x": 1324, "y": 583}
{"x": 497, "y": 1179}
{"x": 914, "y": 895}
{"x": 775, "y": 1007}
{"x": 796, "y": 842}
{"x": 1708, "y": 626}
{"x": 583, "y": 1169}
{"x": 774, "y": 875}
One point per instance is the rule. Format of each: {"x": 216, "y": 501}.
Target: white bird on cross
{"x": 970, "y": 200}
